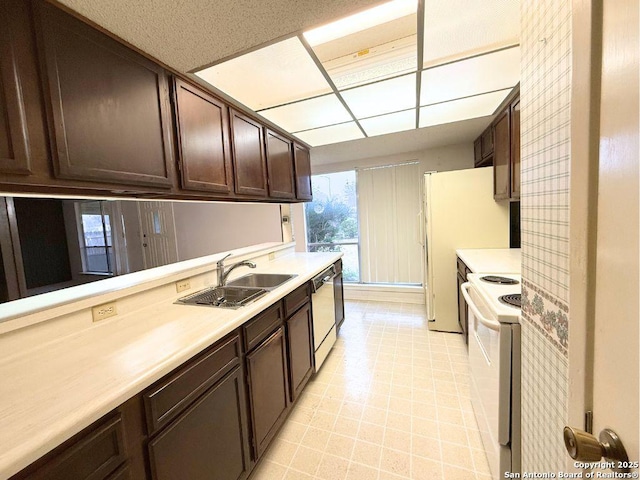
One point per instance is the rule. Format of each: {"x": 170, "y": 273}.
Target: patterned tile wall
{"x": 545, "y": 92}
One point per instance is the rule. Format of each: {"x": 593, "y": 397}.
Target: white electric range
{"x": 494, "y": 362}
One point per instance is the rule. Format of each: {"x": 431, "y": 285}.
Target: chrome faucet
{"x": 223, "y": 273}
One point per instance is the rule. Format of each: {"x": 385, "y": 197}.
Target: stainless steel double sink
{"x": 238, "y": 292}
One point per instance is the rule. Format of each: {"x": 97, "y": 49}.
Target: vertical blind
{"x": 388, "y": 209}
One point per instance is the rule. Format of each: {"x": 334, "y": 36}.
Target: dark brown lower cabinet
{"x": 300, "y": 344}
{"x": 268, "y": 389}
{"x": 209, "y": 441}
{"x": 93, "y": 454}
{"x": 463, "y": 309}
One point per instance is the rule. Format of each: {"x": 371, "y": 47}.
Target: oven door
{"x": 490, "y": 372}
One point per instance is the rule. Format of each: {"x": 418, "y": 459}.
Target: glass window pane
{"x": 332, "y": 219}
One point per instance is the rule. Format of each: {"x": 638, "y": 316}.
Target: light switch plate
{"x": 183, "y": 285}
{"x": 106, "y": 310}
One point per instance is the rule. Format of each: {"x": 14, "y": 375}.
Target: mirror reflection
{"x": 53, "y": 243}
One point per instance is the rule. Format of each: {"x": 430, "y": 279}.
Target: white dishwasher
{"x": 324, "y": 315}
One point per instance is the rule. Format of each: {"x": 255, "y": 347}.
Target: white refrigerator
{"x": 458, "y": 212}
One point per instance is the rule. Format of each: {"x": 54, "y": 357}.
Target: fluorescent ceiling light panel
{"x": 486, "y": 73}
{"x": 361, "y": 21}
{"x": 375, "y": 63}
{"x": 308, "y": 114}
{"x": 456, "y": 29}
{"x": 463, "y": 109}
{"x": 280, "y": 73}
{"x": 390, "y": 123}
{"x": 382, "y": 97}
{"x": 332, "y": 134}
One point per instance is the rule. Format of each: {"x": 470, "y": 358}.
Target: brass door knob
{"x": 585, "y": 447}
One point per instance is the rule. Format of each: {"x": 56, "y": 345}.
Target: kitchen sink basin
{"x": 225, "y": 297}
{"x": 261, "y": 280}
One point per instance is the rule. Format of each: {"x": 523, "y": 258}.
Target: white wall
{"x": 206, "y": 228}
{"x": 451, "y": 157}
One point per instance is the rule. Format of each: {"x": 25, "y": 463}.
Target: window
{"x": 377, "y": 229}
{"x": 94, "y": 232}
{"x": 332, "y": 220}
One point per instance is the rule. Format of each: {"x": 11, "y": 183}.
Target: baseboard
{"x": 384, "y": 293}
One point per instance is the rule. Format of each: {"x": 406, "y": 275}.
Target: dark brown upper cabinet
{"x": 501, "y": 156}
{"x": 515, "y": 149}
{"x": 203, "y": 140}
{"x": 303, "y": 173}
{"x": 108, "y": 106}
{"x": 280, "y": 166}
{"x": 14, "y": 135}
{"x": 249, "y": 165}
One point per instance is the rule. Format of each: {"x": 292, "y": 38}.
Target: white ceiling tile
{"x": 308, "y": 114}
{"x": 382, "y": 97}
{"x": 464, "y": 109}
{"x": 361, "y": 21}
{"x": 333, "y": 134}
{"x": 280, "y": 73}
{"x": 390, "y": 123}
{"x": 486, "y": 73}
{"x": 459, "y": 28}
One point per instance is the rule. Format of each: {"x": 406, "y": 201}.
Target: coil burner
{"x": 513, "y": 299}
{"x": 499, "y": 280}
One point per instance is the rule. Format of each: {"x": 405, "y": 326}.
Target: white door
{"x": 610, "y": 374}
{"x": 158, "y": 233}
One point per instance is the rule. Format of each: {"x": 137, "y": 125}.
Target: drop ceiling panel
{"x": 332, "y": 134}
{"x": 390, "y": 123}
{"x": 382, "y": 97}
{"x": 374, "y": 54}
{"x": 308, "y": 114}
{"x": 464, "y": 109}
{"x": 486, "y": 73}
{"x": 280, "y": 73}
{"x": 456, "y": 29}
{"x": 367, "y": 19}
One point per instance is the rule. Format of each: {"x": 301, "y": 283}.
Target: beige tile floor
{"x": 391, "y": 402}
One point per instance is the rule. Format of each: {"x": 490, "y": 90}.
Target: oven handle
{"x": 492, "y": 324}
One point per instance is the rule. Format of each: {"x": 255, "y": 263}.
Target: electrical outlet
{"x": 272, "y": 256}
{"x": 183, "y": 285}
{"x": 106, "y": 310}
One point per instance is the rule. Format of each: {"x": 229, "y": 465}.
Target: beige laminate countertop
{"x": 491, "y": 260}
{"x": 49, "y": 392}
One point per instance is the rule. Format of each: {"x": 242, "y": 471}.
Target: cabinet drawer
{"x": 296, "y": 299}
{"x": 262, "y": 326}
{"x": 91, "y": 456}
{"x": 172, "y": 395}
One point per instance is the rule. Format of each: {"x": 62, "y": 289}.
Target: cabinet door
{"x": 249, "y": 164}
{"x": 280, "y": 166}
{"x": 14, "y": 136}
{"x": 209, "y": 441}
{"x": 303, "y": 173}
{"x": 477, "y": 151}
{"x": 203, "y": 128}
{"x": 268, "y": 387}
{"x": 462, "y": 311}
{"x": 501, "y": 156}
{"x": 487, "y": 143}
{"x": 109, "y": 106}
{"x": 515, "y": 149}
{"x": 300, "y": 346}
{"x": 338, "y": 296}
